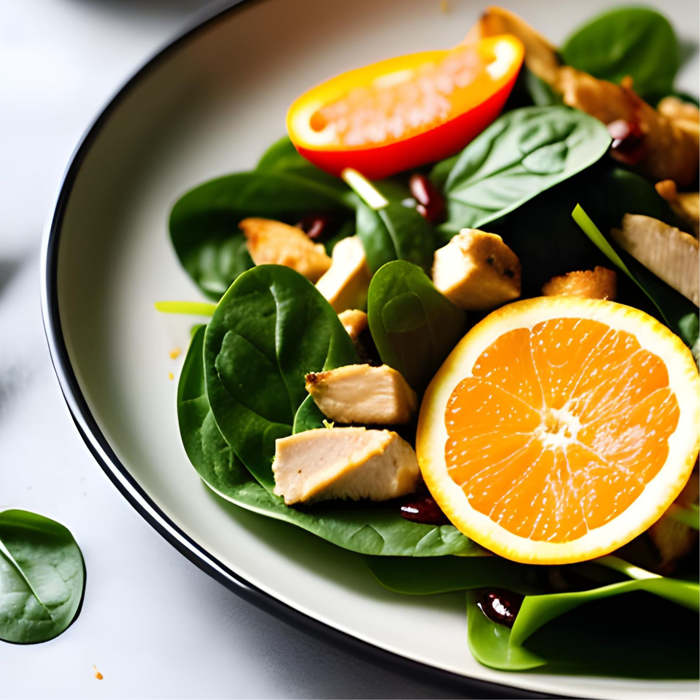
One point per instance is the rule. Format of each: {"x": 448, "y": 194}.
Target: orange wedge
{"x": 560, "y": 428}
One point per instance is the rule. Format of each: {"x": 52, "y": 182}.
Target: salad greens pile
{"x": 242, "y": 382}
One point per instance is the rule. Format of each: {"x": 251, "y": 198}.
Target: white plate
{"x": 206, "y": 105}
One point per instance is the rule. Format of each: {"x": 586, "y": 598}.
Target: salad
{"x": 453, "y": 326}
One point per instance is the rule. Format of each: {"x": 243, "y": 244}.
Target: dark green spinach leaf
{"x": 448, "y": 574}
{"x": 204, "y": 221}
{"x": 634, "y": 41}
{"x": 650, "y": 639}
{"x": 521, "y": 154}
{"x": 413, "y": 326}
{"x": 42, "y": 577}
{"x": 270, "y": 328}
{"x": 360, "y": 527}
{"x": 394, "y": 232}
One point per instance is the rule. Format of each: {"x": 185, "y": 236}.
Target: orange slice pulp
{"x": 560, "y": 428}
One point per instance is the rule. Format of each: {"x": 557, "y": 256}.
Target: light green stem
{"x": 364, "y": 189}
{"x": 193, "y": 308}
{"x": 624, "y": 567}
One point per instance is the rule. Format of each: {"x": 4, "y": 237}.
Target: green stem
{"x": 364, "y": 189}
{"x": 624, "y": 567}
{"x": 586, "y": 224}
{"x": 193, "y": 308}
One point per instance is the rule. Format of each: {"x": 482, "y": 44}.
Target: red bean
{"x": 431, "y": 203}
{"x": 628, "y": 141}
{"x": 315, "y": 226}
{"x": 424, "y": 510}
{"x": 500, "y": 606}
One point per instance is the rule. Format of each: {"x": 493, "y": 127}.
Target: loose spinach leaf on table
{"x": 413, "y": 326}
{"x": 42, "y": 577}
{"x": 204, "y": 221}
{"x": 270, "y": 328}
{"x": 361, "y": 527}
{"x": 549, "y": 630}
{"x": 523, "y": 153}
{"x": 634, "y": 41}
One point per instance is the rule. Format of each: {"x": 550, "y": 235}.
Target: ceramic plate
{"x": 208, "y": 104}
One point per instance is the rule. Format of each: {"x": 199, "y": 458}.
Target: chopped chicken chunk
{"x": 668, "y": 252}
{"x": 477, "y": 270}
{"x": 353, "y": 463}
{"x": 599, "y": 283}
{"x": 354, "y": 321}
{"x": 346, "y": 282}
{"x": 685, "y": 204}
{"x": 274, "y": 242}
{"x": 363, "y": 394}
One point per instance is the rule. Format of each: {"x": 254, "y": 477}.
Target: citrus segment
{"x": 560, "y": 428}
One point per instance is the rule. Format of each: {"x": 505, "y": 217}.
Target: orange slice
{"x": 560, "y": 428}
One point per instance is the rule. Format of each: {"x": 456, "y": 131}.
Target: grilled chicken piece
{"x": 599, "y": 283}
{"x": 684, "y": 115}
{"x": 667, "y": 147}
{"x": 540, "y": 55}
{"x": 354, "y": 321}
{"x": 346, "y": 282}
{"x": 274, "y": 242}
{"x": 668, "y": 252}
{"x": 477, "y": 270}
{"x": 353, "y": 463}
{"x": 363, "y": 394}
{"x": 685, "y": 204}
{"x": 662, "y": 149}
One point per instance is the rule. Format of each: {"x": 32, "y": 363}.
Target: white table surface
{"x": 152, "y": 623}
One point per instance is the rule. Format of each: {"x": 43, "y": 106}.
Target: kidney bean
{"x": 431, "y": 203}
{"x": 500, "y": 606}
{"x": 628, "y": 141}
{"x": 315, "y": 226}
{"x": 424, "y": 510}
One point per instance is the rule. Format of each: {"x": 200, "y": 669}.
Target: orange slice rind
{"x": 560, "y": 428}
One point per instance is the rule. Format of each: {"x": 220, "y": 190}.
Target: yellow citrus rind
{"x": 657, "y": 495}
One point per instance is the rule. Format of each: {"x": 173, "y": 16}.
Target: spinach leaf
{"x": 42, "y": 577}
{"x": 282, "y": 157}
{"x": 388, "y": 229}
{"x": 360, "y": 527}
{"x": 448, "y": 574}
{"x": 394, "y": 232}
{"x": 270, "y": 328}
{"x": 634, "y": 41}
{"x": 204, "y": 221}
{"x": 520, "y": 155}
{"x": 548, "y": 242}
{"x": 672, "y": 308}
{"x": 650, "y": 639}
{"x": 413, "y": 326}
{"x": 308, "y": 416}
